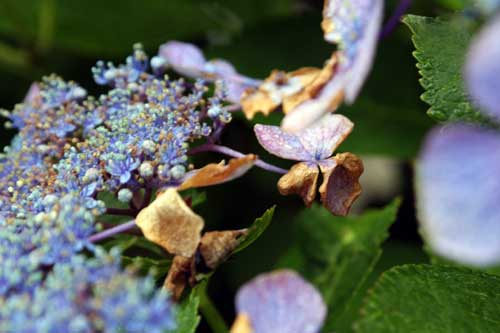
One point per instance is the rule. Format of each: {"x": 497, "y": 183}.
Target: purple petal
{"x": 282, "y": 144}
{"x": 281, "y": 302}
{"x": 326, "y": 135}
{"x": 184, "y": 58}
{"x": 33, "y": 93}
{"x": 315, "y": 143}
{"x": 458, "y": 192}
{"x": 355, "y": 27}
{"x": 482, "y": 69}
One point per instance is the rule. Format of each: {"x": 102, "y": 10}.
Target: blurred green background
{"x": 68, "y": 36}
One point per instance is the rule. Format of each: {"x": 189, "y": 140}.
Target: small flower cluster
{"x": 135, "y": 136}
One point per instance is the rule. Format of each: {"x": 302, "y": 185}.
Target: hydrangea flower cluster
{"x": 134, "y": 137}
{"x": 88, "y": 295}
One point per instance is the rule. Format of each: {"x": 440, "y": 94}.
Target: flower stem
{"x": 210, "y": 313}
{"x": 233, "y": 153}
{"x": 112, "y": 231}
{"x": 395, "y": 18}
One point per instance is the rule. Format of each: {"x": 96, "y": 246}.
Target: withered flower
{"x": 314, "y": 147}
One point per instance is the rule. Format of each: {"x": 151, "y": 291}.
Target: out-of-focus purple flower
{"x": 458, "y": 191}
{"x": 281, "y": 302}
{"x": 482, "y": 69}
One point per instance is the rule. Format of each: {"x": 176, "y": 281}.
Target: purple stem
{"x": 394, "y": 20}
{"x": 233, "y": 153}
{"x": 111, "y": 231}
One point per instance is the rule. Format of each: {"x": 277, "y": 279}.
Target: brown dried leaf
{"x": 217, "y": 246}
{"x": 170, "y": 223}
{"x": 341, "y": 187}
{"x": 271, "y": 93}
{"x": 302, "y": 179}
{"x": 242, "y": 324}
{"x": 178, "y": 276}
{"x": 213, "y": 174}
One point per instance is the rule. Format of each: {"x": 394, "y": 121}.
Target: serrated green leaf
{"x": 187, "y": 314}
{"x": 431, "y": 298}
{"x": 258, "y": 227}
{"x": 440, "y": 51}
{"x": 338, "y": 253}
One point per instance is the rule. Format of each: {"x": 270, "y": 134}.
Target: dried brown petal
{"x": 170, "y": 223}
{"x": 178, "y": 276}
{"x": 313, "y": 87}
{"x": 278, "y": 86}
{"x": 242, "y": 324}
{"x": 213, "y": 174}
{"x": 340, "y": 187}
{"x": 217, "y": 246}
{"x": 302, "y": 179}
{"x": 320, "y": 97}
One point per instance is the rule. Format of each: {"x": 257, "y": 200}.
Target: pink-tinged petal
{"x": 315, "y": 143}
{"x": 282, "y": 144}
{"x": 482, "y": 69}
{"x": 355, "y": 26}
{"x": 236, "y": 83}
{"x": 33, "y": 93}
{"x": 281, "y": 302}
{"x": 458, "y": 192}
{"x": 326, "y": 135}
{"x": 184, "y": 58}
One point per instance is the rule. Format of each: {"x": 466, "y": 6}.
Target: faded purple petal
{"x": 482, "y": 69}
{"x": 33, "y": 93}
{"x": 236, "y": 83}
{"x": 184, "y": 58}
{"x": 315, "y": 143}
{"x": 282, "y": 144}
{"x": 355, "y": 27}
{"x": 326, "y": 135}
{"x": 458, "y": 192}
{"x": 281, "y": 302}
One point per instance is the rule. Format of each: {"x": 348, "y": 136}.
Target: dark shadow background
{"x": 67, "y": 37}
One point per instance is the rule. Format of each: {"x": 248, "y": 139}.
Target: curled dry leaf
{"x": 217, "y": 246}
{"x": 302, "y": 179}
{"x": 242, "y": 324}
{"x": 179, "y": 275}
{"x": 341, "y": 187}
{"x": 170, "y": 223}
{"x": 213, "y": 174}
{"x": 272, "y": 92}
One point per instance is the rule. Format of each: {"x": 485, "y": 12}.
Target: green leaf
{"x": 255, "y": 231}
{"x": 338, "y": 253}
{"x": 441, "y": 47}
{"x": 431, "y": 298}
{"x": 159, "y": 267}
{"x": 187, "y": 314}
